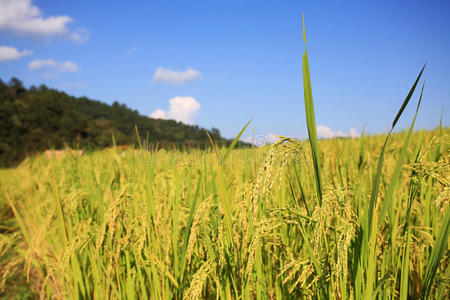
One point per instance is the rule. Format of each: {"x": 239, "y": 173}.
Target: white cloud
{"x": 80, "y": 35}
{"x": 182, "y": 109}
{"x": 11, "y": 53}
{"x": 175, "y": 77}
{"x": 66, "y": 67}
{"x": 262, "y": 139}
{"x": 159, "y": 114}
{"x": 39, "y": 63}
{"x": 325, "y": 132}
{"x": 22, "y": 17}
{"x": 353, "y": 132}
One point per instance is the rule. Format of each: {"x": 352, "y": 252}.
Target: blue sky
{"x": 223, "y": 62}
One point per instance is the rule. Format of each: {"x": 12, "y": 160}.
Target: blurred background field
{"x": 185, "y": 224}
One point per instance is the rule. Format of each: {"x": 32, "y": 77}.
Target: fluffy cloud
{"x": 66, "y": 67}
{"x": 22, "y": 17}
{"x": 159, "y": 114}
{"x": 175, "y": 77}
{"x": 10, "y": 53}
{"x": 353, "y": 132}
{"x": 182, "y": 109}
{"x": 325, "y": 132}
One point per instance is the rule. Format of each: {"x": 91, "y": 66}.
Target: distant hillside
{"x": 36, "y": 119}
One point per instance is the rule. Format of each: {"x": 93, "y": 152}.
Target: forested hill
{"x": 40, "y": 118}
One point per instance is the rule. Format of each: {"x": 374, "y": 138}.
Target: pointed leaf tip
{"x": 408, "y": 97}
{"x": 236, "y": 139}
{"x": 304, "y": 31}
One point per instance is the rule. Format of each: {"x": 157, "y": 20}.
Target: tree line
{"x": 39, "y": 118}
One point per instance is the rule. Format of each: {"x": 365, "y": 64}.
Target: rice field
{"x": 355, "y": 218}
{"x": 184, "y": 225}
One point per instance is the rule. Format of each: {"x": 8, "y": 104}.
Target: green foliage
{"x": 36, "y": 119}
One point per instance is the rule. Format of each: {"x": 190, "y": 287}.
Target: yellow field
{"x": 364, "y": 218}
{"x": 176, "y": 224}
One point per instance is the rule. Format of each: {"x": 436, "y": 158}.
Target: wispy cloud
{"x": 24, "y": 18}
{"x": 11, "y": 53}
{"x": 132, "y": 51}
{"x": 66, "y": 67}
{"x": 323, "y": 132}
{"x": 182, "y": 109}
{"x": 79, "y": 35}
{"x": 175, "y": 77}
{"x": 262, "y": 139}
{"x": 326, "y": 132}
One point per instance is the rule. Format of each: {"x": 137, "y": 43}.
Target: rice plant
{"x": 356, "y": 218}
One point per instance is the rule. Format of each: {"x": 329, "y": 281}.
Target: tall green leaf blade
{"x": 234, "y": 142}
{"x": 377, "y": 177}
{"x": 310, "y": 119}
{"x": 405, "y": 269}
{"x": 187, "y": 231}
{"x": 406, "y": 228}
{"x": 436, "y": 255}
{"x": 407, "y": 97}
{"x": 395, "y": 177}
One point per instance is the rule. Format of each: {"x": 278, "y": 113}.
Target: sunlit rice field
{"x": 173, "y": 224}
{"x": 345, "y": 218}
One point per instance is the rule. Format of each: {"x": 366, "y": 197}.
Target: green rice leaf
{"x": 436, "y": 255}
{"x": 233, "y": 144}
{"x": 310, "y": 120}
